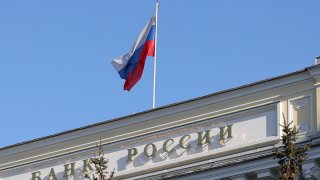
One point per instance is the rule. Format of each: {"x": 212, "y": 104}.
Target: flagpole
{"x": 155, "y": 59}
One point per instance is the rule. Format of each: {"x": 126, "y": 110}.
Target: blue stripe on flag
{"x": 152, "y": 32}
{"x": 132, "y": 63}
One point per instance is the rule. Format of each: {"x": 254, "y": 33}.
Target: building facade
{"x": 224, "y": 135}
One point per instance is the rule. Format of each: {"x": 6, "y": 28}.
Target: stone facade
{"x": 224, "y": 135}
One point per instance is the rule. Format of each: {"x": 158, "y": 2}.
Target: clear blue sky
{"x": 54, "y": 55}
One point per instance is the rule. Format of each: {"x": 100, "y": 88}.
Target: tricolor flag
{"x": 130, "y": 66}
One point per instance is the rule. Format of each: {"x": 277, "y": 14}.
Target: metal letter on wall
{"x": 223, "y": 133}
{"x": 165, "y": 145}
{"x": 206, "y": 137}
{"x": 153, "y": 150}
{"x": 131, "y": 153}
{"x": 69, "y": 170}
{"x": 183, "y": 140}
{"x": 86, "y": 165}
{"x": 36, "y": 175}
{"x": 52, "y": 175}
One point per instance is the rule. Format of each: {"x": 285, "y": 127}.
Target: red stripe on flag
{"x": 135, "y": 75}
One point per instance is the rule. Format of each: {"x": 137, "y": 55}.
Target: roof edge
{"x": 162, "y": 107}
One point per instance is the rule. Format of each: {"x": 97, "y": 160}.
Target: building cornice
{"x": 311, "y": 69}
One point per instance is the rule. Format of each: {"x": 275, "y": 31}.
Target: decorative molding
{"x": 297, "y": 104}
{"x": 303, "y": 127}
{"x": 125, "y": 144}
{"x": 214, "y": 165}
{"x": 300, "y": 103}
{"x": 222, "y": 120}
{"x": 312, "y": 173}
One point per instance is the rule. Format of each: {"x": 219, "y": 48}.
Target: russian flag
{"x": 130, "y": 66}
